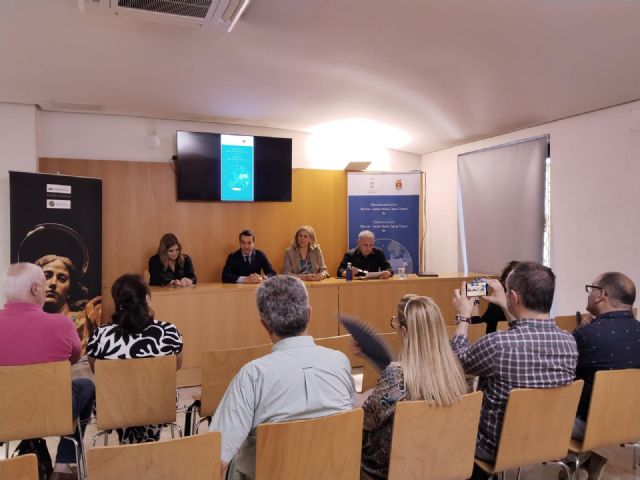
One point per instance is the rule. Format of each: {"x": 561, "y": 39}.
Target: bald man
{"x": 609, "y": 342}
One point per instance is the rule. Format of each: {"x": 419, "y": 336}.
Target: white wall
{"x": 110, "y": 137}
{"x": 27, "y": 133}
{"x": 595, "y": 199}
{"x": 17, "y": 152}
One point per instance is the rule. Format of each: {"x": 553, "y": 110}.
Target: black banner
{"x": 56, "y": 223}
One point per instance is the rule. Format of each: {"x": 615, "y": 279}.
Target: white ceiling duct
{"x": 225, "y": 13}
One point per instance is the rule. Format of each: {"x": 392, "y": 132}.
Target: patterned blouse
{"x": 378, "y": 422}
{"x": 157, "y": 340}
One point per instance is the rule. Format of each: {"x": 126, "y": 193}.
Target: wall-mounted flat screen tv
{"x": 233, "y": 168}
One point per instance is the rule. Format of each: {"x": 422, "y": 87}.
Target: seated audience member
{"x": 29, "y": 335}
{"x": 170, "y": 266}
{"x": 609, "y": 342}
{"x": 303, "y": 259}
{"x": 134, "y": 333}
{"x": 493, "y": 314}
{"x": 532, "y": 353}
{"x": 427, "y": 370}
{"x": 297, "y": 380}
{"x": 248, "y": 264}
{"x": 365, "y": 258}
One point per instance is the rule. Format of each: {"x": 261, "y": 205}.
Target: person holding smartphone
{"x": 495, "y": 312}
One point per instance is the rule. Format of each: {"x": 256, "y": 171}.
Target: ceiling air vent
{"x": 195, "y": 12}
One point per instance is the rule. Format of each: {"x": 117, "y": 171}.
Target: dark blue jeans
{"x": 83, "y": 394}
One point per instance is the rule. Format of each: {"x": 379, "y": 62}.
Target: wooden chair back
{"x": 133, "y": 392}
{"x": 342, "y": 343}
{"x": 195, "y": 458}
{"x": 35, "y": 401}
{"x": 614, "y": 411}
{"x": 566, "y": 322}
{"x": 537, "y": 426}
{"x": 434, "y": 442}
{"x": 476, "y": 330}
{"x": 370, "y": 373}
{"x": 24, "y": 467}
{"x": 314, "y": 449}
{"x": 218, "y": 369}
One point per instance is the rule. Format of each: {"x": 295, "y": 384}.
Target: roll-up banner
{"x": 387, "y": 204}
{"x": 56, "y": 223}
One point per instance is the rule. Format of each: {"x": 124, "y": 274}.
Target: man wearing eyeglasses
{"x": 609, "y": 342}
{"x": 532, "y": 353}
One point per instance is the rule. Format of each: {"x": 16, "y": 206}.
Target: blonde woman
{"x": 427, "y": 370}
{"x": 303, "y": 259}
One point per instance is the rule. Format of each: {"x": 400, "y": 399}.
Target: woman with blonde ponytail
{"x": 427, "y": 370}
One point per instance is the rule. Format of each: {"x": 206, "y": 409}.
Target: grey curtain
{"x": 501, "y": 205}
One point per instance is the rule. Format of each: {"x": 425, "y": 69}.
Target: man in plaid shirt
{"x": 532, "y": 353}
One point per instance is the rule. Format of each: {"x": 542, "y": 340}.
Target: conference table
{"x": 217, "y": 316}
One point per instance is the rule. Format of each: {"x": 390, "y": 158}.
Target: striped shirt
{"x": 530, "y": 354}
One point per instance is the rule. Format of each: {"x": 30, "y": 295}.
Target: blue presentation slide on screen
{"x": 236, "y": 169}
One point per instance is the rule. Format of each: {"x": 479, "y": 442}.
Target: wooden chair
{"x": 195, "y": 458}
{"x": 614, "y": 411}
{"x": 566, "y": 322}
{"x": 218, "y": 369}
{"x": 134, "y": 392}
{"x": 314, "y": 449}
{"x": 537, "y": 428}
{"x": 35, "y": 401}
{"x": 342, "y": 343}
{"x": 434, "y": 442}
{"x": 371, "y": 374}
{"x": 24, "y": 467}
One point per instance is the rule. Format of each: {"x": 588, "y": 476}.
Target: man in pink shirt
{"x": 29, "y": 335}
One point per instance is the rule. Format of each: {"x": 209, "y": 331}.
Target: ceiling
{"x": 445, "y": 72}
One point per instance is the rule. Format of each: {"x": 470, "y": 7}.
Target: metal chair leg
{"x": 172, "y": 426}
{"x": 106, "y": 437}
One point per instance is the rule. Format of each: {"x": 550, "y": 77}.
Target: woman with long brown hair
{"x": 427, "y": 370}
{"x": 170, "y": 266}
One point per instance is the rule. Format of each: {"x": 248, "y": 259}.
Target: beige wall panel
{"x": 139, "y": 205}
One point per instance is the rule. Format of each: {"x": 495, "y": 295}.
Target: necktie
{"x": 246, "y": 260}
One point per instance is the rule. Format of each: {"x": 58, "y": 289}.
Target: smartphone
{"x": 476, "y": 289}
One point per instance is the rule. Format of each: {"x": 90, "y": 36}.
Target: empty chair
{"x": 218, "y": 369}
{"x": 614, "y": 411}
{"x": 314, "y": 449}
{"x": 194, "y": 458}
{"x": 24, "y": 467}
{"x": 35, "y": 401}
{"x": 135, "y": 392}
{"x": 537, "y": 427}
{"x": 434, "y": 442}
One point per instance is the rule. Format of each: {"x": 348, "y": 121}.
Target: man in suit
{"x": 247, "y": 265}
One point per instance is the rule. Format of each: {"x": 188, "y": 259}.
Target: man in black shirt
{"x": 365, "y": 258}
{"x": 608, "y": 342}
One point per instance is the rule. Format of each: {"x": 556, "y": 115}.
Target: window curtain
{"x": 501, "y": 205}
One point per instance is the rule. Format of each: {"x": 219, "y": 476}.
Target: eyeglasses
{"x": 589, "y": 288}
{"x": 394, "y": 322}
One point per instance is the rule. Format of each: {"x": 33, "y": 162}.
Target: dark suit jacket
{"x": 236, "y": 267}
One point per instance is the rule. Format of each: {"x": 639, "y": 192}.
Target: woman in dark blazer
{"x": 170, "y": 266}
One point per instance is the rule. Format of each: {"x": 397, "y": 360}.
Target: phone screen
{"x": 476, "y": 289}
